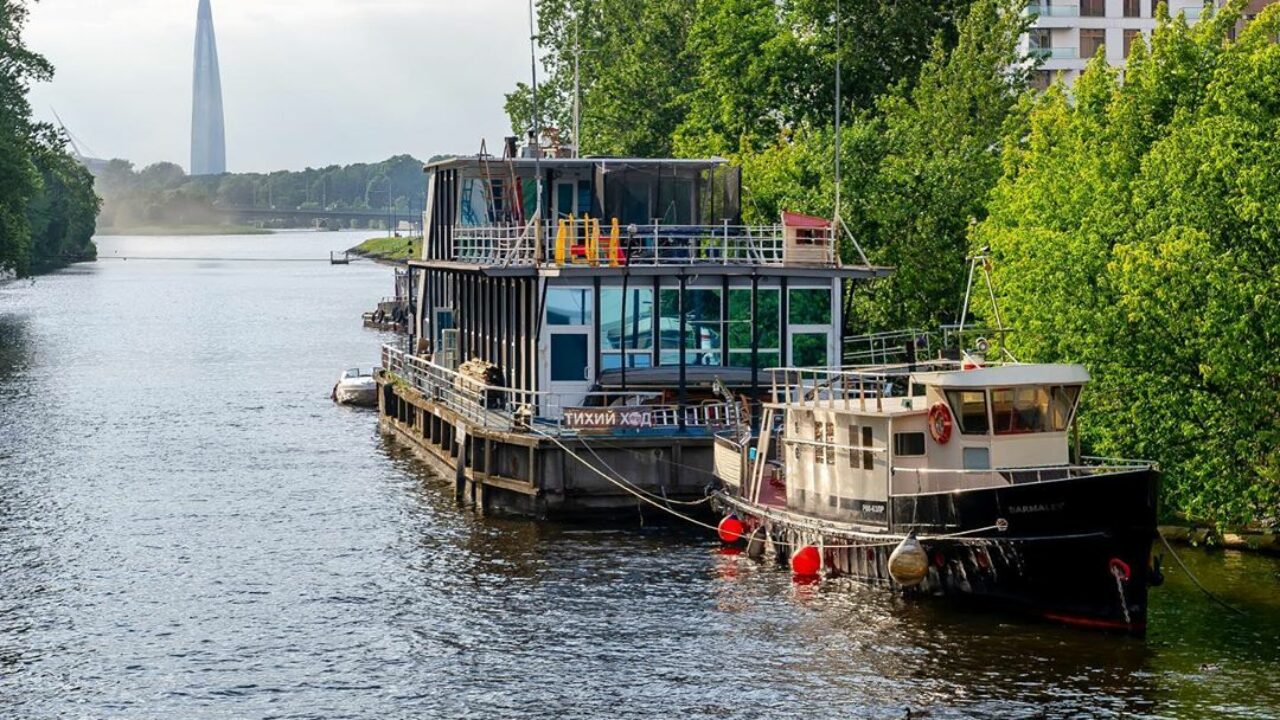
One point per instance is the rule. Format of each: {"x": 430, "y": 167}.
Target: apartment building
{"x": 1068, "y": 33}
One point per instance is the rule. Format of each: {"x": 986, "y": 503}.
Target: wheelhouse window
{"x": 908, "y": 444}
{"x": 1019, "y": 410}
{"x": 970, "y": 410}
{"x": 1062, "y": 405}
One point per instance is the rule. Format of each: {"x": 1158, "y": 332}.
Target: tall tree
{"x": 19, "y": 67}
{"x": 1135, "y": 229}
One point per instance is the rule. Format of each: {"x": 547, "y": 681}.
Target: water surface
{"x": 189, "y": 528}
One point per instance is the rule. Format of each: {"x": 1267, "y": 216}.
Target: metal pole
{"x": 537, "y": 130}
{"x": 684, "y": 343}
{"x": 839, "y": 49}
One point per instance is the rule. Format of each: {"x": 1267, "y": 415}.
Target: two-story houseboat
{"x": 573, "y": 354}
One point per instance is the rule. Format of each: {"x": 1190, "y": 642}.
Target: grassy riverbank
{"x": 194, "y": 230}
{"x": 390, "y": 248}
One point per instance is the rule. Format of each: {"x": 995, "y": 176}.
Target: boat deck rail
{"x": 867, "y": 386}
{"x": 588, "y": 243}
{"x": 507, "y": 409}
{"x": 914, "y": 481}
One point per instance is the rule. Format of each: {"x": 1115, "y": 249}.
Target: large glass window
{"x": 740, "y": 325}
{"x": 970, "y": 410}
{"x": 568, "y": 306}
{"x": 632, "y": 334}
{"x": 1093, "y": 8}
{"x": 807, "y": 306}
{"x": 1091, "y": 40}
{"x": 809, "y": 349}
{"x": 702, "y": 326}
{"x": 1133, "y": 8}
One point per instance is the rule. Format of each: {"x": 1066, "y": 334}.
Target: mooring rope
{"x": 652, "y": 500}
{"x": 1194, "y": 579}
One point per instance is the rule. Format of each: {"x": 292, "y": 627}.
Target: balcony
{"x": 1056, "y": 53}
{"x": 588, "y": 244}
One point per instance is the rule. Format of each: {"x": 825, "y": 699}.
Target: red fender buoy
{"x": 730, "y": 530}
{"x": 806, "y": 561}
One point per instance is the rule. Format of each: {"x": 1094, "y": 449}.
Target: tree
{"x": 1135, "y": 229}
{"x": 19, "y": 67}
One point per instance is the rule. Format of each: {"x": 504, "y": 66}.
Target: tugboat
{"x": 951, "y": 477}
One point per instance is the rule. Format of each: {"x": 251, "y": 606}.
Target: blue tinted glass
{"x": 568, "y": 357}
{"x": 568, "y": 306}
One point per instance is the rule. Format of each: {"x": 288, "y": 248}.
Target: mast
{"x": 839, "y": 49}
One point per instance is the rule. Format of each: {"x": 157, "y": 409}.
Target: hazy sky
{"x": 304, "y": 82}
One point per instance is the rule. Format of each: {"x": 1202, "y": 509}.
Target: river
{"x": 189, "y": 529}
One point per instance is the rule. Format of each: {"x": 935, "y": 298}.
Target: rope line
{"x": 1194, "y": 579}
{"x": 649, "y": 498}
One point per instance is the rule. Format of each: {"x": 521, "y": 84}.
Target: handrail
{"x": 589, "y": 242}
{"x": 511, "y": 409}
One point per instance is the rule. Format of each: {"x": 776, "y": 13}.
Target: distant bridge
{"x": 293, "y": 216}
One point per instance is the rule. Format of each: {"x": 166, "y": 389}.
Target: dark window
{"x": 908, "y": 444}
{"x": 1091, "y": 40}
{"x": 1093, "y": 8}
{"x": 1019, "y": 410}
{"x": 868, "y": 457}
{"x": 1042, "y": 79}
{"x": 855, "y": 459}
{"x": 970, "y": 410}
{"x": 1133, "y": 8}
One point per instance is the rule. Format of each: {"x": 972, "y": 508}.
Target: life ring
{"x": 1120, "y": 569}
{"x": 940, "y": 423}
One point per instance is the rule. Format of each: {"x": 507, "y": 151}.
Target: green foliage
{"x": 1136, "y": 230}
{"x": 662, "y": 77}
{"x": 47, "y": 204}
{"x": 391, "y": 248}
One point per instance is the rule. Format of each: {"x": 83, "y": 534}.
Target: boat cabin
{"x": 626, "y": 270}
{"x": 840, "y": 444}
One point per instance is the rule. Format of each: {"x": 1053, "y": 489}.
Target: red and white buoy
{"x": 806, "y": 561}
{"x": 730, "y": 529}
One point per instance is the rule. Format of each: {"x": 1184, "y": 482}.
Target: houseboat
{"x": 582, "y": 327}
{"x": 952, "y": 476}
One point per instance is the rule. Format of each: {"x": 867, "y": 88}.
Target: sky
{"x": 305, "y": 83}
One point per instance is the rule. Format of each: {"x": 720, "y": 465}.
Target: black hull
{"x": 1064, "y": 545}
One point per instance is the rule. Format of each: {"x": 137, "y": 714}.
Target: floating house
{"x": 571, "y": 353}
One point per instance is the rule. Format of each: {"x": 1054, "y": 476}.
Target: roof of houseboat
{"x": 551, "y": 162}
{"x": 1006, "y": 376}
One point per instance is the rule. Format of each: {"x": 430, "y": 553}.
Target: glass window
{"x": 908, "y": 444}
{"x": 1062, "y": 403}
{"x": 568, "y": 357}
{"x": 475, "y": 204}
{"x": 740, "y": 325}
{"x": 568, "y": 306}
{"x": 702, "y": 326}
{"x": 1091, "y": 40}
{"x": 564, "y": 199}
{"x": 970, "y": 410}
{"x": 1133, "y": 8}
{"x": 1019, "y": 410}
{"x": 1093, "y": 8}
{"x": 977, "y": 458}
{"x": 809, "y": 306}
{"x": 636, "y": 329}
{"x": 855, "y": 457}
{"x": 809, "y": 349}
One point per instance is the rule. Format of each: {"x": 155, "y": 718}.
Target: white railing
{"x": 590, "y": 243}
{"x": 511, "y": 409}
{"x": 909, "y": 481}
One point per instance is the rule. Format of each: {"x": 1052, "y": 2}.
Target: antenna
{"x": 537, "y": 131}
{"x": 577, "y": 86}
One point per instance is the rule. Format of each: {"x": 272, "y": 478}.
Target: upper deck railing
{"x": 589, "y": 243}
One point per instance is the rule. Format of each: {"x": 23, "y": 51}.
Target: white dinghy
{"x": 356, "y": 387}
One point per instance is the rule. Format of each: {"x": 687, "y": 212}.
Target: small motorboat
{"x": 356, "y": 387}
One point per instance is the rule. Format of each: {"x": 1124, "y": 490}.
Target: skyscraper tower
{"x": 208, "y": 136}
